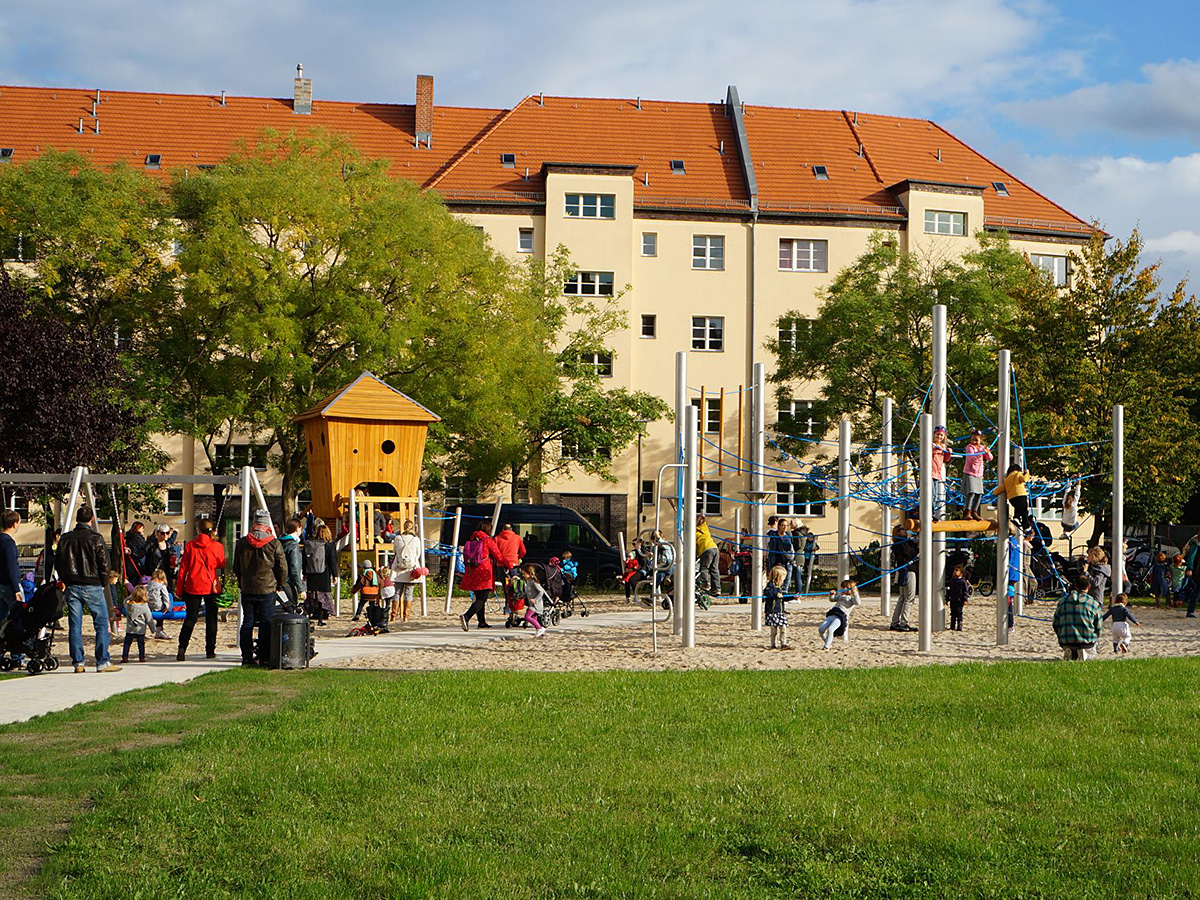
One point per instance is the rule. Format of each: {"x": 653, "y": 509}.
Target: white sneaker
{"x": 539, "y": 632}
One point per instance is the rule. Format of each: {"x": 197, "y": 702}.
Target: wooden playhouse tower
{"x": 367, "y": 432}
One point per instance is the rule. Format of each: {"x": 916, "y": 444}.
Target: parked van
{"x": 547, "y": 531}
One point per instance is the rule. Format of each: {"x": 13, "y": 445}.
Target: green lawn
{"x": 1016, "y": 780}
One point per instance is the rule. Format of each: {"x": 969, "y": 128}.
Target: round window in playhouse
{"x": 388, "y": 447}
{"x": 355, "y": 449}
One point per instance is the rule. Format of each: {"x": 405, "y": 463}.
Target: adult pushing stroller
{"x": 28, "y": 631}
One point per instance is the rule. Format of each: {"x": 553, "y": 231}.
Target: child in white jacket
{"x": 837, "y": 620}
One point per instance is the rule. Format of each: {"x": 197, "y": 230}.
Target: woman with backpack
{"x": 320, "y": 566}
{"x": 407, "y": 571}
{"x": 479, "y": 554}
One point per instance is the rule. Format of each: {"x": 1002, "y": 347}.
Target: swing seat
{"x": 177, "y": 613}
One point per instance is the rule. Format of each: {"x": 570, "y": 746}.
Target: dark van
{"x": 547, "y": 531}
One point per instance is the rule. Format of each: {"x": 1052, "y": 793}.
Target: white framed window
{"x": 797, "y": 255}
{"x": 235, "y": 456}
{"x": 939, "y": 221}
{"x": 793, "y": 331}
{"x": 1055, "y": 266}
{"x": 708, "y": 252}
{"x": 589, "y": 284}
{"x": 601, "y": 362}
{"x": 708, "y": 332}
{"x": 18, "y": 502}
{"x": 16, "y": 248}
{"x": 708, "y": 421}
{"x": 591, "y": 206}
{"x": 708, "y": 498}
{"x": 801, "y": 418}
{"x": 798, "y": 498}
{"x": 649, "y": 326}
{"x": 1049, "y": 508}
{"x": 647, "y": 496}
{"x": 174, "y": 501}
{"x": 460, "y": 490}
{"x": 525, "y": 240}
{"x": 649, "y": 243}
{"x": 570, "y": 449}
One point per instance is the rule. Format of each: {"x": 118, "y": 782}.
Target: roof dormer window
{"x": 153, "y": 160}
{"x": 508, "y": 160}
{"x": 821, "y": 173}
{"x": 6, "y": 154}
{"x": 1001, "y": 188}
{"x": 677, "y": 167}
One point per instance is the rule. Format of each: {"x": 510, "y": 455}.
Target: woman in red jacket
{"x": 479, "y": 553}
{"x": 200, "y": 580}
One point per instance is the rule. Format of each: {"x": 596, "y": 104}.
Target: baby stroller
{"x": 29, "y": 631}
{"x": 566, "y": 599}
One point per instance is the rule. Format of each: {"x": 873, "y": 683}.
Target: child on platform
{"x": 941, "y": 456}
{"x": 976, "y": 454}
{"x": 1121, "y": 617}
{"x": 960, "y": 590}
{"x": 837, "y": 620}
{"x": 774, "y": 608}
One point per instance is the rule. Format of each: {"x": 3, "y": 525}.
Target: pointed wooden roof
{"x": 367, "y": 397}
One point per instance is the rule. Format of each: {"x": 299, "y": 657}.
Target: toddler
{"x": 1121, "y": 617}
{"x": 960, "y": 590}
{"x": 570, "y": 568}
{"x": 159, "y": 601}
{"x": 1178, "y": 573}
{"x": 774, "y": 608}
{"x": 137, "y": 620}
{"x": 837, "y": 620}
{"x": 1160, "y": 580}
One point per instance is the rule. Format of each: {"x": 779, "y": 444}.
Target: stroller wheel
{"x": 584, "y": 613}
{"x": 5, "y": 664}
{"x": 34, "y": 666}
{"x": 51, "y": 663}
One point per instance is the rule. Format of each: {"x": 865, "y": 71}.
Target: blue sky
{"x": 1093, "y": 103}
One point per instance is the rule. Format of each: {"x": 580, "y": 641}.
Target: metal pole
{"x": 938, "y": 401}
{"x": 1004, "y": 422}
{"x": 926, "y": 550}
{"x": 496, "y": 510}
{"x": 843, "y": 500}
{"x": 67, "y": 522}
{"x": 681, "y": 407}
{"x": 621, "y": 545}
{"x": 245, "y": 487}
{"x": 1118, "y": 501}
{"x": 685, "y": 592}
{"x": 758, "y": 420}
{"x": 421, "y": 534}
{"x": 453, "y": 558}
{"x": 260, "y": 496}
{"x": 885, "y": 513}
{"x": 353, "y": 540}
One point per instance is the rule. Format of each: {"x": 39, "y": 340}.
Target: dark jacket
{"x": 904, "y": 553}
{"x": 82, "y": 557}
{"x": 10, "y": 565}
{"x": 259, "y": 563}
{"x": 779, "y": 550}
{"x": 135, "y": 543}
{"x": 295, "y": 565}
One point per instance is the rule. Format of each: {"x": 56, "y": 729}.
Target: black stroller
{"x": 28, "y": 631}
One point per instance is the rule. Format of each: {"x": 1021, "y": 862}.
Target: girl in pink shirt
{"x": 976, "y": 454}
{"x": 941, "y": 454}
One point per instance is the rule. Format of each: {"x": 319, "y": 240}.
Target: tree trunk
{"x": 535, "y": 477}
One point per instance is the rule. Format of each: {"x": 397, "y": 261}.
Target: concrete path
{"x": 26, "y": 696}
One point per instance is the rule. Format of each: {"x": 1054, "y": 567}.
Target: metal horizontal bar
{"x": 57, "y": 478}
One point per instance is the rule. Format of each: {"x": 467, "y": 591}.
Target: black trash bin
{"x": 291, "y": 642}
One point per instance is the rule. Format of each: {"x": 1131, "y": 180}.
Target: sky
{"x": 1094, "y": 103}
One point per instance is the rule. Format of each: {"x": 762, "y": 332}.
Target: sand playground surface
{"x": 723, "y": 641}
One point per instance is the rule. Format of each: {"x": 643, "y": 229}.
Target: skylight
{"x": 508, "y": 160}
{"x": 677, "y": 167}
{"x": 821, "y": 173}
{"x": 1001, "y": 188}
{"x": 6, "y": 154}
{"x": 153, "y": 160}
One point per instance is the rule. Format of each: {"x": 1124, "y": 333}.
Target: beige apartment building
{"x": 711, "y": 221}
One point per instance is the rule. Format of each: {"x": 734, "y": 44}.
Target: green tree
{"x": 568, "y": 351}
{"x": 304, "y": 264}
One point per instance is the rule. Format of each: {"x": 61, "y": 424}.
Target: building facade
{"x": 710, "y": 221}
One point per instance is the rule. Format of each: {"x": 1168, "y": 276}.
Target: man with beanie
{"x": 261, "y": 569}
{"x": 82, "y": 564}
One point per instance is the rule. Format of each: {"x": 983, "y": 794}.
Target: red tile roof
{"x": 464, "y": 163}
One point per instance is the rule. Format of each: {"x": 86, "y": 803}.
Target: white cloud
{"x": 1127, "y": 192}
{"x": 1162, "y": 105}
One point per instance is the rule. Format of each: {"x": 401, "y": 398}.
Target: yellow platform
{"x": 954, "y": 525}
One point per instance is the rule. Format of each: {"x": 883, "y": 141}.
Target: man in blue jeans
{"x": 261, "y": 569}
{"x": 82, "y": 564}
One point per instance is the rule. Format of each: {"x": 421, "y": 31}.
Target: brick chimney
{"x": 424, "y": 121}
{"x": 301, "y": 93}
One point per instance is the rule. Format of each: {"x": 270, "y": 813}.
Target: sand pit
{"x": 725, "y": 641}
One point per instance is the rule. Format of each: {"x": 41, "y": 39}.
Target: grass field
{"x": 962, "y": 781}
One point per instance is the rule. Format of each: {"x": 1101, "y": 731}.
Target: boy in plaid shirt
{"x": 1077, "y": 621}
